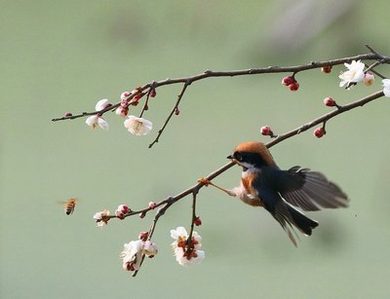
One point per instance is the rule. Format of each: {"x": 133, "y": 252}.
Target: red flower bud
{"x": 328, "y": 101}
{"x": 294, "y": 86}
{"x": 319, "y": 132}
{"x": 143, "y": 236}
{"x": 197, "y": 221}
{"x": 120, "y": 215}
{"x": 326, "y": 69}
{"x": 286, "y": 81}
{"x": 266, "y": 131}
{"x": 68, "y": 114}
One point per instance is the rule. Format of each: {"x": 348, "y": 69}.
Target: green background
{"x": 59, "y": 56}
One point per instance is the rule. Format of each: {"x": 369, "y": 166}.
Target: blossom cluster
{"x": 135, "y": 125}
{"x": 186, "y": 251}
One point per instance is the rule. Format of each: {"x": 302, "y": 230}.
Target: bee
{"x": 70, "y": 205}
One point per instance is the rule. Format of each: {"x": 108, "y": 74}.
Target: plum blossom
{"x": 133, "y": 251}
{"x": 187, "y": 253}
{"x": 132, "y": 255}
{"x": 102, "y": 104}
{"x": 354, "y": 74}
{"x": 102, "y": 218}
{"x": 386, "y": 87}
{"x": 138, "y": 126}
{"x": 97, "y": 120}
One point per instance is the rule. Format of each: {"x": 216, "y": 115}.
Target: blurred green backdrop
{"x": 59, "y": 56}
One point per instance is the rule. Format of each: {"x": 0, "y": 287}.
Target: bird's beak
{"x": 229, "y": 157}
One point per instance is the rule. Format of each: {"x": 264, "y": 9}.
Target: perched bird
{"x": 264, "y": 184}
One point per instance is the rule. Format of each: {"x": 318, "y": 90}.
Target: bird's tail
{"x": 302, "y": 222}
{"x": 288, "y": 217}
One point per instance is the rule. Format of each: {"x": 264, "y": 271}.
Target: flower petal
{"x": 91, "y": 121}
{"x": 102, "y": 104}
{"x": 102, "y": 123}
{"x": 386, "y": 87}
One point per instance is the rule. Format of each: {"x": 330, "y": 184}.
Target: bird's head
{"x": 252, "y": 155}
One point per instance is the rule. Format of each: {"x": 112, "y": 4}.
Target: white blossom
{"x": 102, "y": 104}
{"x": 95, "y": 121}
{"x": 101, "y": 217}
{"x": 386, "y": 87}
{"x": 150, "y": 249}
{"x": 354, "y": 74}
{"x": 138, "y": 126}
{"x": 187, "y": 254}
{"x": 132, "y": 253}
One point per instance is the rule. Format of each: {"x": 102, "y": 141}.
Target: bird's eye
{"x": 237, "y": 156}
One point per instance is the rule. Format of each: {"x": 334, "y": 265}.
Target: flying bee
{"x": 70, "y": 205}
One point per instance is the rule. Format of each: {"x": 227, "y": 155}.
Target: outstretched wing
{"x": 310, "y": 190}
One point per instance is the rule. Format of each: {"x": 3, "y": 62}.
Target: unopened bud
{"x": 326, "y": 69}
{"x": 125, "y": 95}
{"x": 266, "y": 131}
{"x": 119, "y": 215}
{"x": 177, "y": 111}
{"x": 152, "y": 205}
{"x": 368, "y": 79}
{"x": 286, "y": 81}
{"x": 197, "y": 221}
{"x": 319, "y": 132}
{"x": 294, "y": 86}
{"x": 143, "y": 236}
{"x": 328, "y": 101}
{"x": 123, "y": 208}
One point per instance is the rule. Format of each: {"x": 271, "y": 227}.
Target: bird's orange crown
{"x": 256, "y": 147}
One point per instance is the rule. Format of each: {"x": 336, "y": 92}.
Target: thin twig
{"x": 189, "y": 239}
{"x": 159, "y": 213}
{"x": 179, "y": 97}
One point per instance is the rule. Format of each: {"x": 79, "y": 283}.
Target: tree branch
{"x": 253, "y": 71}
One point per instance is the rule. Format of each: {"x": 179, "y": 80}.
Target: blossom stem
{"x": 189, "y": 239}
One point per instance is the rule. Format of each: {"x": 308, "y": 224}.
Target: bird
{"x": 283, "y": 193}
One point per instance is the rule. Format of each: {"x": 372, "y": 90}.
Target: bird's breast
{"x": 248, "y": 178}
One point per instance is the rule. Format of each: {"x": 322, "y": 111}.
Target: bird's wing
{"x": 309, "y": 190}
